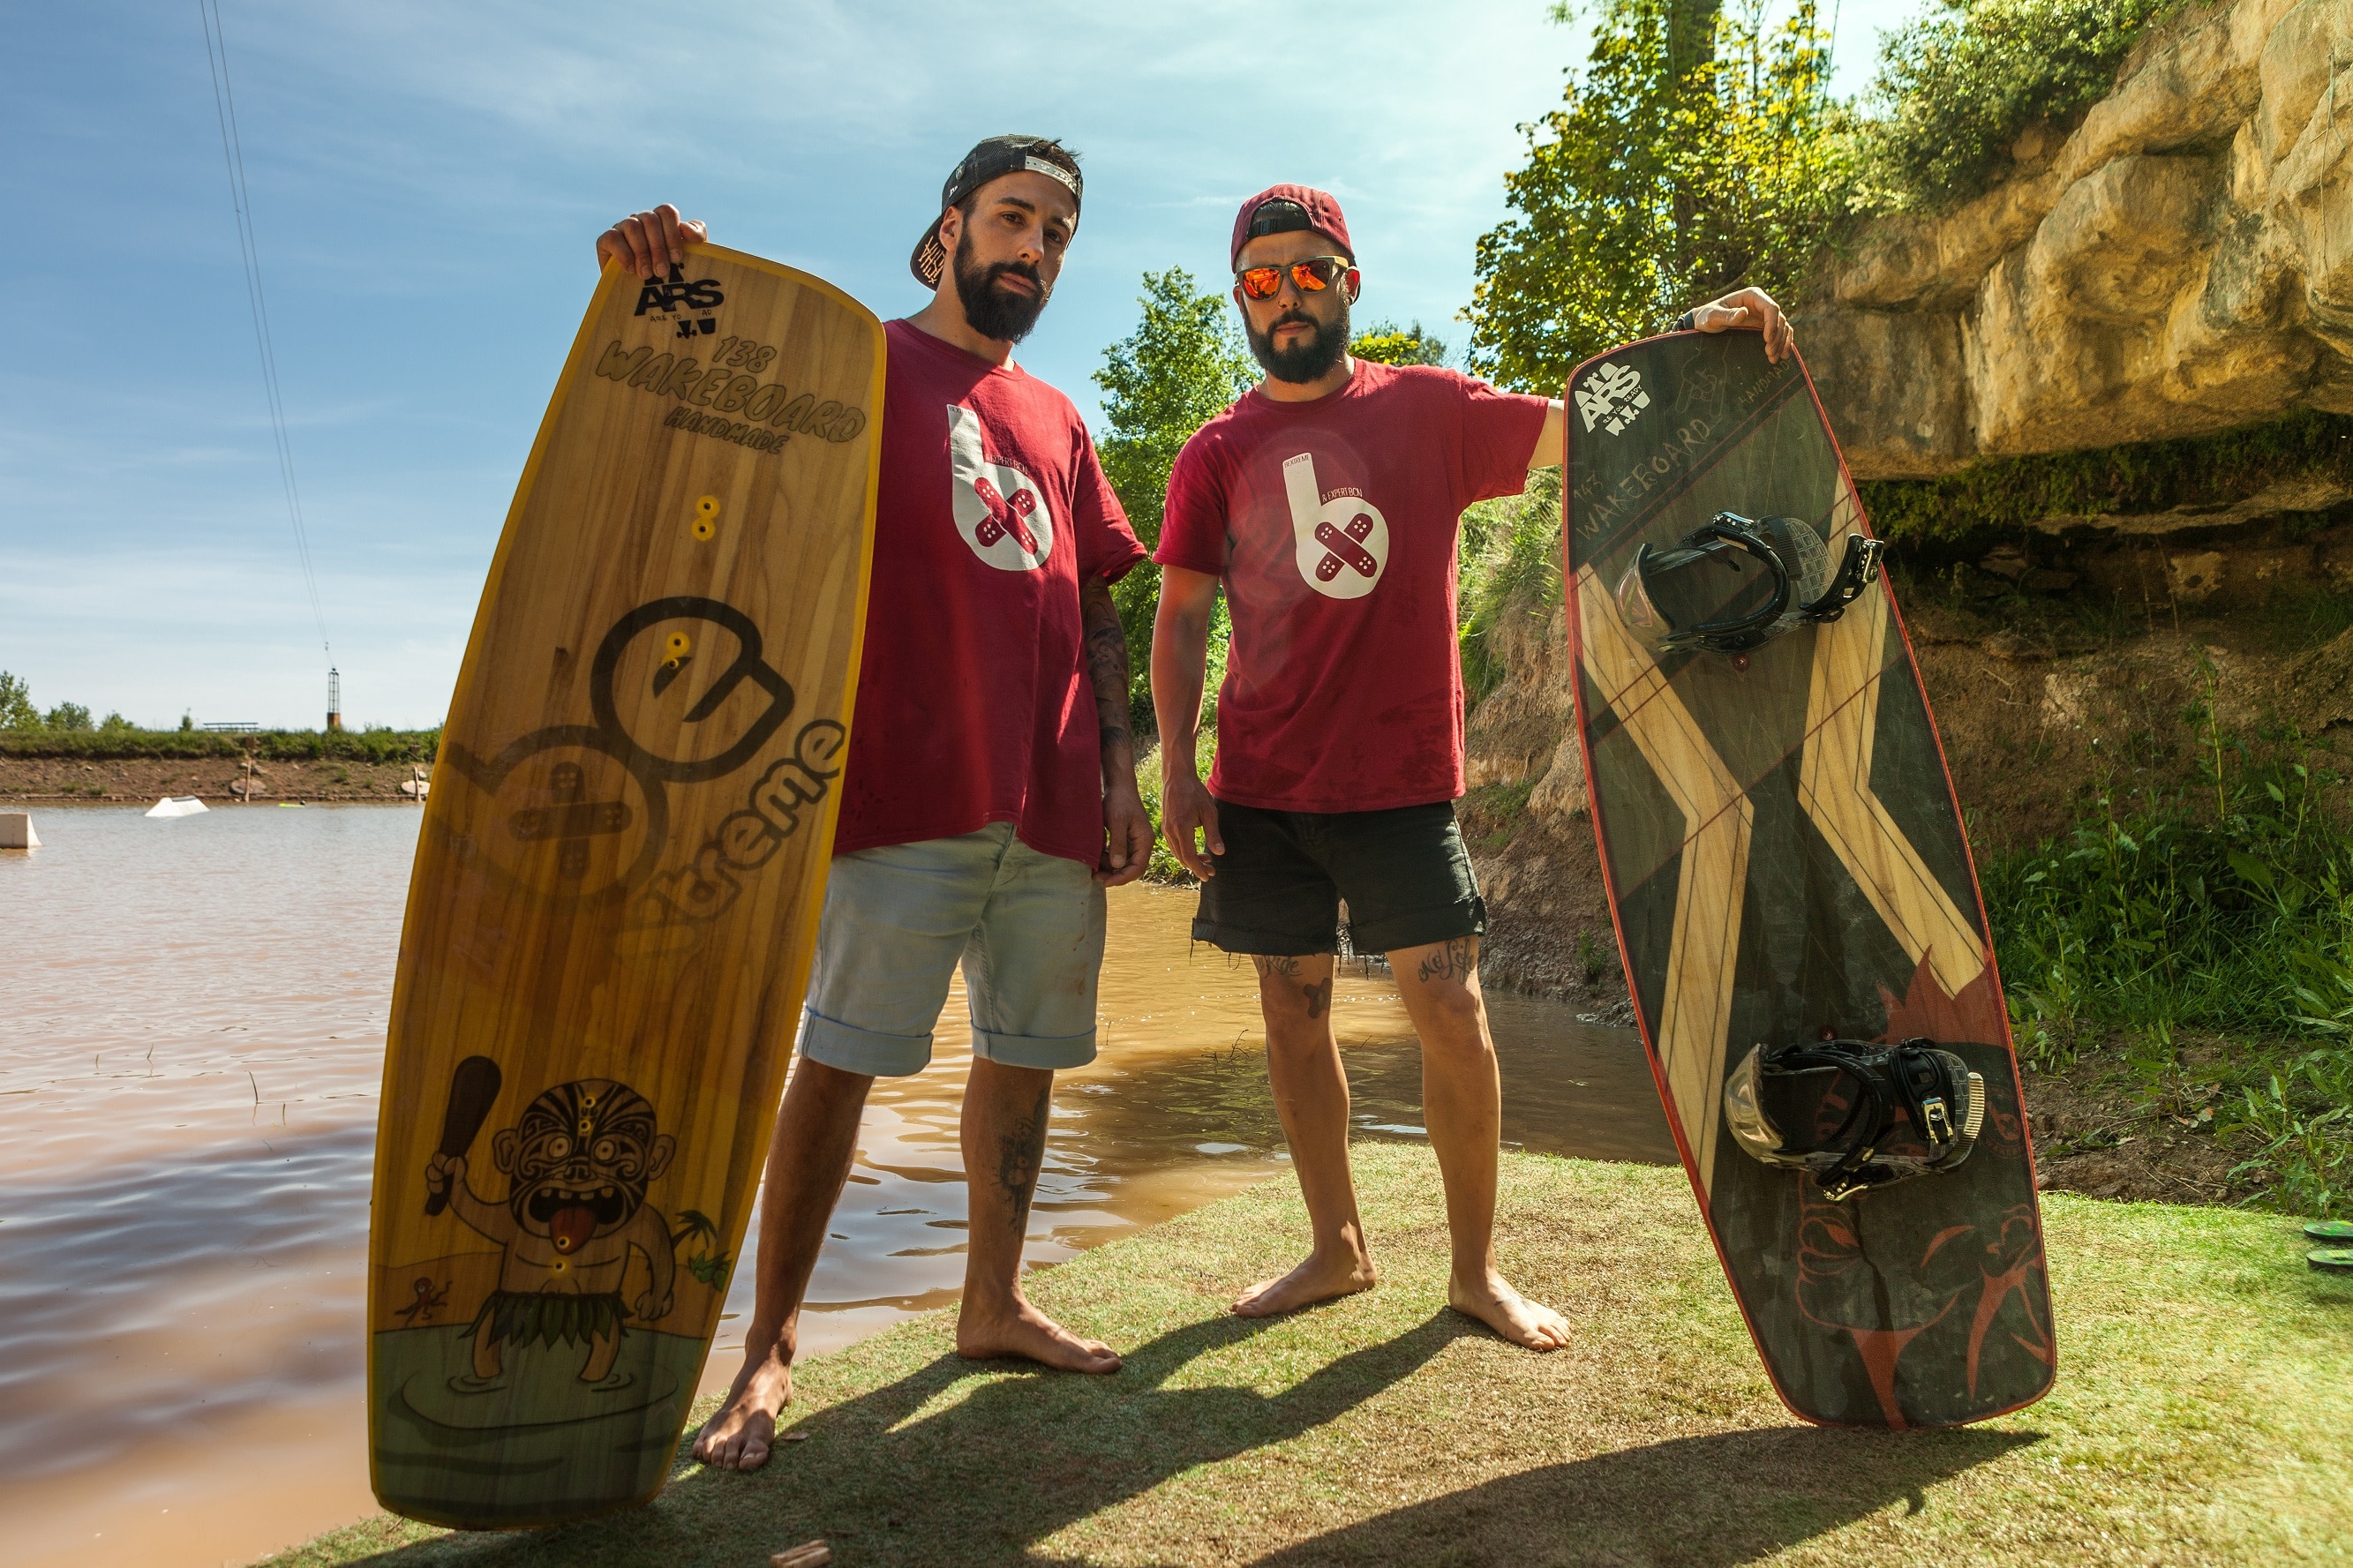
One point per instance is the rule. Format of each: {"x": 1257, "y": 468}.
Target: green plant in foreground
{"x": 2305, "y": 1125}
{"x": 2230, "y": 910}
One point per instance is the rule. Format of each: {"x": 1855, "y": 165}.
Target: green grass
{"x": 2203, "y": 1412}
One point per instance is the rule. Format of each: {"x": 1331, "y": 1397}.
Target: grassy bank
{"x": 266, "y": 745}
{"x": 2202, "y": 1415}
{"x": 2193, "y": 952}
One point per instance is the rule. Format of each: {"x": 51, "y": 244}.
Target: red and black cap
{"x": 992, "y": 159}
{"x": 1281, "y": 209}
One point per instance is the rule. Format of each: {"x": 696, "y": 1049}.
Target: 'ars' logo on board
{"x": 675, "y": 295}
{"x": 1341, "y": 542}
{"x": 1612, "y": 397}
{"x": 1000, "y": 513}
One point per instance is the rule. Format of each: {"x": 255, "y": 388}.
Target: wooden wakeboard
{"x": 616, "y": 894}
{"x": 1786, "y": 860}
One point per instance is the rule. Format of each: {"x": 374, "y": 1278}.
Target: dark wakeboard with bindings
{"x": 1804, "y": 941}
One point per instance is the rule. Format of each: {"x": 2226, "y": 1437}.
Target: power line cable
{"x": 233, "y": 156}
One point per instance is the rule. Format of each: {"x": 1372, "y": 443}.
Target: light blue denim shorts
{"x": 1028, "y": 927}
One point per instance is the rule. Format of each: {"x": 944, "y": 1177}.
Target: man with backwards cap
{"x": 990, "y": 796}
{"x": 1327, "y": 500}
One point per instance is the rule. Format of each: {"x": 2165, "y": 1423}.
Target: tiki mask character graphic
{"x": 578, "y": 1163}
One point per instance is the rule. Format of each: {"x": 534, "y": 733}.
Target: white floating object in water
{"x": 16, "y": 831}
{"x": 176, "y": 805}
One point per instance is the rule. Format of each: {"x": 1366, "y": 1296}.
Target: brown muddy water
{"x": 192, "y": 1017}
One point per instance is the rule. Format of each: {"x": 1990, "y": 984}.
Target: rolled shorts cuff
{"x": 1251, "y": 941}
{"x": 1052, "y": 1052}
{"x": 1419, "y": 928}
{"x": 853, "y": 1050}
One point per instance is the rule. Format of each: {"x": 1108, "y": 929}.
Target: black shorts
{"x": 1404, "y": 873}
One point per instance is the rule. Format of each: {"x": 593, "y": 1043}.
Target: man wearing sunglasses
{"x": 1326, "y": 500}
{"x": 990, "y": 796}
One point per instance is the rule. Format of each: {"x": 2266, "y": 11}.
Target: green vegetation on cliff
{"x": 1699, "y": 150}
{"x": 2001, "y": 495}
{"x": 1955, "y": 90}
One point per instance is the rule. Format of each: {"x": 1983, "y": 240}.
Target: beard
{"x": 1303, "y": 362}
{"x": 1006, "y": 317}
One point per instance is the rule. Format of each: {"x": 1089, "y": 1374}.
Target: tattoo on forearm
{"x": 1106, "y": 650}
{"x": 1020, "y": 1153}
{"x": 1457, "y": 959}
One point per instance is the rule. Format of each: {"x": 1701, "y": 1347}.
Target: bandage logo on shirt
{"x": 1343, "y": 542}
{"x": 999, "y": 510}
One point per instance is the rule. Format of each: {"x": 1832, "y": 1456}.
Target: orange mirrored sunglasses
{"x": 1313, "y": 276}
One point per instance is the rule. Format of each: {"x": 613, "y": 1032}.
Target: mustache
{"x": 1018, "y": 269}
{"x": 1295, "y": 317}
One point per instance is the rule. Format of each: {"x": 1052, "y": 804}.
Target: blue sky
{"x": 427, "y": 181}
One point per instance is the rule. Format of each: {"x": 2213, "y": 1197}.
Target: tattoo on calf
{"x": 1020, "y": 1155}
{"x": 1457, "y": 959}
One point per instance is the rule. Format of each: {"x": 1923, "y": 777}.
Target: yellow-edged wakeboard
{"x": 616, "y": 891}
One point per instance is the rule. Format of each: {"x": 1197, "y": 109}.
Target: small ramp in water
{"x": 176, "y": 805}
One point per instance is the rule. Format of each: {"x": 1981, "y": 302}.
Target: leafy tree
{"x": 68, "y": 716}
{"x": 16, "y": 709}
{"x": 1386, "y": 343}
{"x": 1699, "y": 152}
{"x": 1180, "y": 367}
{"x": 1955, "y": 90}
{"x": 115, "y": 724}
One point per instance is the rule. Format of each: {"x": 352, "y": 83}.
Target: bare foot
{"x": 1496, "y": 1304}
{"x": 1021, "y": 1331}
{"x": 740, "y": 1436}
{"x": 1320, "y": 1278}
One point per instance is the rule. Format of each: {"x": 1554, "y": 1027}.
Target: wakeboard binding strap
{"x": 1767, "y": 542}
{"x": 1780, "y": 1098}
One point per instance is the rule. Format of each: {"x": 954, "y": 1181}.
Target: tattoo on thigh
{"x": 1319, "y": 997}
{"x": 1019, "y": 1153}
{"x": 1457, "y": 959}
{"x": 1266, "y": 965}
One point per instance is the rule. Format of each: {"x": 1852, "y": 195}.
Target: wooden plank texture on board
{"x": 615, "y": 893}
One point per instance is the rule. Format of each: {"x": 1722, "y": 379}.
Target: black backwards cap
{"x": 997, "y": 156}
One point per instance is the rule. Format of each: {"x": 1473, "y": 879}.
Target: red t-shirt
{"x": 1334, "y": 525}
{"x": 974, "y": 702}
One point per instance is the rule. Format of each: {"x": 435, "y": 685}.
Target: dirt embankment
{"x": 210, "y": 779}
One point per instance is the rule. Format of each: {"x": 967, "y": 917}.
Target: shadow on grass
{"x": 1697, "y": 1502}
{"x": 895, "y": 1476}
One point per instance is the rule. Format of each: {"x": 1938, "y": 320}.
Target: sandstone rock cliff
{"x": 2182, "y": 262}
